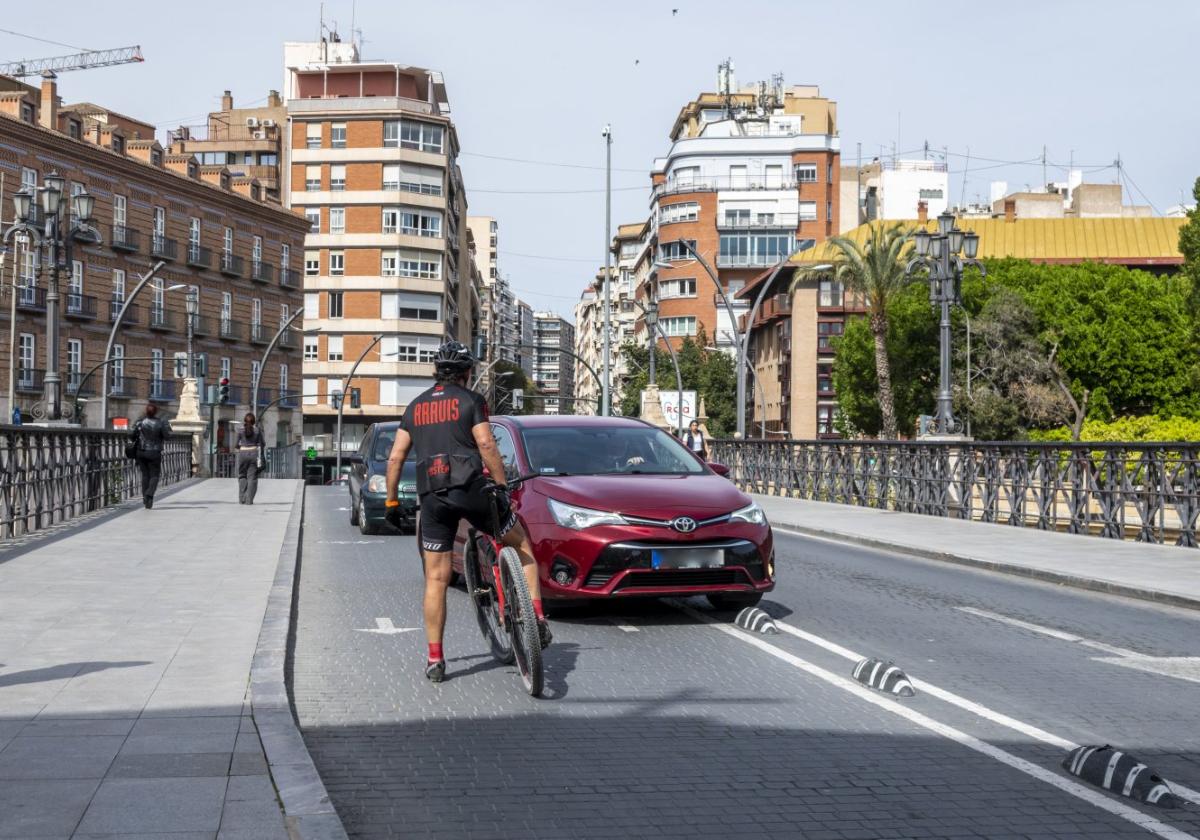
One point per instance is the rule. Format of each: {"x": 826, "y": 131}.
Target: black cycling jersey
{"x": 440, "y": 423}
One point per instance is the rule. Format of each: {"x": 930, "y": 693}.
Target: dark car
{"x": 617, "y": 507}
{"x": 368, "y": 482}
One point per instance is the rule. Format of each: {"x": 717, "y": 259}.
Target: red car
{"x": 617, "y": 507}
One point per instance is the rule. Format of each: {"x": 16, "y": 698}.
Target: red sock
{"x": 537, "y": 609}
{"x": 435, "y": 652}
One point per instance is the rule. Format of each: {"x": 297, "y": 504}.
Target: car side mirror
{"x": 354, "y": 458}
{"x": 719, "y": 469}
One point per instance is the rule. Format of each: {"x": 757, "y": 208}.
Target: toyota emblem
{"x": 684, "y": 524}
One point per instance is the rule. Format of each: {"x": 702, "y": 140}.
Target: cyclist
{"x": 448, "y": 427}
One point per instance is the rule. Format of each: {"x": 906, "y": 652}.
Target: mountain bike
{"x": 495, "y": 582}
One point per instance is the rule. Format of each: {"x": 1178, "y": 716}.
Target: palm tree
{"x": 873, "y": 271}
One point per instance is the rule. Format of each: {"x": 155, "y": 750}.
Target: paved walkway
{"x": 1155, "y": 572}
{"x": 125, "y": 654}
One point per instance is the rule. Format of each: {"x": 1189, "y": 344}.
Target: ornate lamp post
{"x": 938, "y": 253}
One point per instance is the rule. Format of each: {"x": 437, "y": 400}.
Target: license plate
{"x": 688, "y": 558}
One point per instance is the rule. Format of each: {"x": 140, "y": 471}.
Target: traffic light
{"x": 518, "y": 399}
{"x": 355, "y": 398}
{"x": 200, "y": 365}
{"x": 337, "y": 399}
{"x": 223, "y": 391}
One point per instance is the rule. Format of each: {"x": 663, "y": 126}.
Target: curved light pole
{"x": 112, "y": 335}
{"x": 651, "y": 315}
{"x": 342, "y": 401}
{"x": 570, "y": 353}
{"x": 262, "y": 365}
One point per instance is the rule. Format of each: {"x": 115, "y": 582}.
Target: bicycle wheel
{"x": 481, "y": 587}
{"x": 521, "y": 621}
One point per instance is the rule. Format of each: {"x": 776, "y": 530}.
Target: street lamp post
{"x": 342, "y": 401}
{"x": 938, "y": 254}
{"x": 112, "y": 336}
{"x": 606, "y": 385}
{"x": 262, "y": 365}
{"x": 651, "y": 319}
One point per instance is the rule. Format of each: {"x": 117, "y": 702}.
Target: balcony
{"x": 777, "y": 221}
{"x": 199, "y": 256}
{"x": 259, "y": 334}
{"x": 230, "y": 330}
{"x": 264, "y": 396}
{"x": 262, "y": 272}
{"x": 163, "y": 320}
{"x": 715, "y": 184}
{"x": 74, "y": 378}
{"x": 313, "y": 104}
{"x": 114, "y": 309}
{"x": 80, "y": 306}
{"x": 201, "y": 326}
{"x": 748, "y": 260}
{"x": 31, "y": 299}
{"x": 29, "y": 380}
{"x": 287, "y": 341}
{"x": 161, "y": 390}
{"x": 121, "y": 386}
{"x": 289, "y": 399}
{"x": 289, "y": 278}
{"x": 162, "y": 247}
{"x": 232, "y": 265}
{"x": 124, "y": 239}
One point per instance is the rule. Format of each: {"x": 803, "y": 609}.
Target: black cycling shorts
{"x": 442, "y": 512}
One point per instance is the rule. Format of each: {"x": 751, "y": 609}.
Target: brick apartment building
{"x": 372, "y": 164}
{"x": 216, "y": 233}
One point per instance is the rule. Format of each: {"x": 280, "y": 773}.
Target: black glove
{"x": 393, "y": 514}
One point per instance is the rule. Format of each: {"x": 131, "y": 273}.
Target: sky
{"x": 535, "y": 82}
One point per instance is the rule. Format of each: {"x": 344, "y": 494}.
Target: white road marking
{"x": 348, "y": 542}
{"x": 967, "y": 705}
{"x": 1049, "y": 631}
{"x": 1093, "y": 797}
{"x": 628, "y": 628}
{"x": 385, "y": 626}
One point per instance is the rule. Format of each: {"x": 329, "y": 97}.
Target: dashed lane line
{"x": 1051, "y": 778}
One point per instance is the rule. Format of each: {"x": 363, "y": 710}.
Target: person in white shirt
{"x": 693, "y": 439}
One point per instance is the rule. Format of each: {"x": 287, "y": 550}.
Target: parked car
{"x": 616, "y": 507}
{"x": 368, "y": 482}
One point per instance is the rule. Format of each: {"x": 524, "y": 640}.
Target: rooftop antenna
{"x": 1045, "y": 177}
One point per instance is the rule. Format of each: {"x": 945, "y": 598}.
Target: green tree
{"x": 1189, "y": 246}
{"x": 506, "y": 384}
{"x": 874, "y": 271}
{"x": 709, "y": 373}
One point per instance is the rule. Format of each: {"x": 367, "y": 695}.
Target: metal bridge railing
{"x": 1148, "y": 492}
{"x": 49, "y": 476}
{"x": 282, "y": 462}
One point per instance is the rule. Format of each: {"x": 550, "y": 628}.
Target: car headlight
{"x": 752, "y": 513}
{"x": 578, "y": 518}
{"x": 377, "y": 484}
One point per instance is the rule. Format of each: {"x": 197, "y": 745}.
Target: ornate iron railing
{"x": 282, "y": 462}
{"x": 49, "y": 476}
{"x": 1149, "y": 492}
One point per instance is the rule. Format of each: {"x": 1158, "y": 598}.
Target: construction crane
{"x": 78, "y": 61}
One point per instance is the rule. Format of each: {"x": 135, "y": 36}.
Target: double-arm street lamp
{"x": 58, "y": 236}
{"x": 654, "y": 329}
{"x": 938, "y": 254}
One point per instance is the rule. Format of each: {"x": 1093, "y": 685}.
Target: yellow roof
{"x": 1142, "y": 241}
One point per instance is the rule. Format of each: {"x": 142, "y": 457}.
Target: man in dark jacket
{"x": 150, "y": 434}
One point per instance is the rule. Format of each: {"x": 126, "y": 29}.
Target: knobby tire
{"x": 481, "y": 587}
{"x": 521, "y": 621}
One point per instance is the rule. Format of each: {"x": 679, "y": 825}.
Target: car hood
{"x": 651, "y": 496}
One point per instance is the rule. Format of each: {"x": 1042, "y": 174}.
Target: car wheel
{"x": 734, "y": 600}
{"x": 364, "y": 525}
{"x": 353, "y": 510}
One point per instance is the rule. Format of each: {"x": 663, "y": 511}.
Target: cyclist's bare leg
{"x": 437, "y": 578}
{"x": 518, "y": 539}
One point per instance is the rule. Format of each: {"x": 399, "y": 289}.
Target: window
{"x": 829, "y": 173}
{"x": 806, "y": 173}
{"x": 194, "y": 233}
{"x": 390, "y": 264}
{"x": 337, "y": 136}
{"x": 829, "y": 293}
{"x": 675, "y": 250}
{"x": 159, "y": 296}
{"x": 337, "y": 177}
{"x": 74, "y": 359}
{"x": 931, "y": 194}
{"x": 118, "y": 208}
{"x": 26, "y": 353}
{"x": 774, "y": 174}
{"x": 391, "y": 134}
{"x": 284, "y": 313}
{"x": 335, "y": 304}
{"x": 268, "y": 159}
{"x": 156, "y": 370}
{"x": 312, "y": 302}
{"x": 684, "y": 325}
{"x": 312, "y": 178}
{"x": 256, "y": 312}
{"x": 118, "y": 285}
{"x": 256, "y": 374}
{"x": 737, "y": 218}
{"x": 825, "y": 379}
{"x": 27, "y": 112}
{"x": 677, "y": 288}
{"x": 226, "y": 368}
{"x": 337, "y": 263}
{"x": 29, "y": 181}
{"x": 226, "y": 307}
{"x": 117, "y": 368}
{"x": 760, "y": 249}
{"x": 737, "y": 176}
{"x": 686, "y": 174}
{"x": 411, "y": 305}
{"x": 74, "y": 129}
{"x": 426, "y": 180}
{"x": 256, "y": 251}
{"x": 419, "y": 264}
{"x": 312, "y": 263}
{"x": 808, "y": 211}
{"x": 312, "y": 134}
{"x": 160, "y": 222}
{"x": 75, "y": 283}
{"x": 310, "y": 391}
{"x": 410, "y": 348}
{"x": 829, "y": 211}
{"x": 310, "y": 348}
{"x": 391, "y": 219}
{"x": 285, "y": 256}
{"x": 313, "y": 214}
{"x": 391, "y": 176}
{"x": 337, "y": 219}
{"x": 334, "y": 348}
{"x": 826, "y": 332}
{"x": 415, "y": 223}
{"x": 826, "y": 419}
{"x": 421, "y": 136}
{"x": 688, "y": 211}
{"x": 228, "y": 241}
{"x": 283, "y": 377}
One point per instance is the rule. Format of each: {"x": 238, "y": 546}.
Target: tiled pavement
{"x": 125, "y": 654}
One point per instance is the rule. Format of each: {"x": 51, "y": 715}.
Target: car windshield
{"x": 603, "y": 450}
{"x": 383, "y": 448}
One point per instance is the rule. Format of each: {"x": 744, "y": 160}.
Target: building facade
{"x": 372, "y": 164}
{"x": 247, "y": 141}
{"x": 553, "y": 365}
{"x": 217, "y": 236}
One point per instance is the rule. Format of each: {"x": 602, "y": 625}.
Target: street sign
{"x": 669, "y": 399}
{"x": 311, "y": 453}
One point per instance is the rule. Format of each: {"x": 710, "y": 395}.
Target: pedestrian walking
{"x": 149, "y": 435}
{"x": 250, "y": 459}
{"x": 693, "y": 439}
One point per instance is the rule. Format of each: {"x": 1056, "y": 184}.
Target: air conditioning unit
{"x": 260, "y": 135}
{"x": 268, "y": 123}
{"x": 252, "y": 122}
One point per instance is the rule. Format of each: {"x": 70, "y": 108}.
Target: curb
{"x": 1045, "y": 575}
{"x": 307, "y": 812}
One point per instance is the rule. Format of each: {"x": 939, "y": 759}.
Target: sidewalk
{"x": 1159, "y": 573}
{"x": 125, "y": 660}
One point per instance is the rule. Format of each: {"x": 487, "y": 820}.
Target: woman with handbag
{"x": 146, "y": 441}
{"x": 250, "y": 460}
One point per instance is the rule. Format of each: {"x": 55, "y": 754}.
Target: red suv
{"x": 617, "y": 507}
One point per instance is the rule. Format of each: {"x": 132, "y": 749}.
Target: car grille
{"x": 688, "y": 577}
{"x": 618, "y": 557}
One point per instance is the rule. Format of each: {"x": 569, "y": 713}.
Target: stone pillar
{"x": 189, "y": 421}
{"x": 652, "y": 411}
{"x": 702, "y": 417}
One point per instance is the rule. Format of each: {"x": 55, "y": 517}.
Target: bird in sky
{"x": 674, "y": 12}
